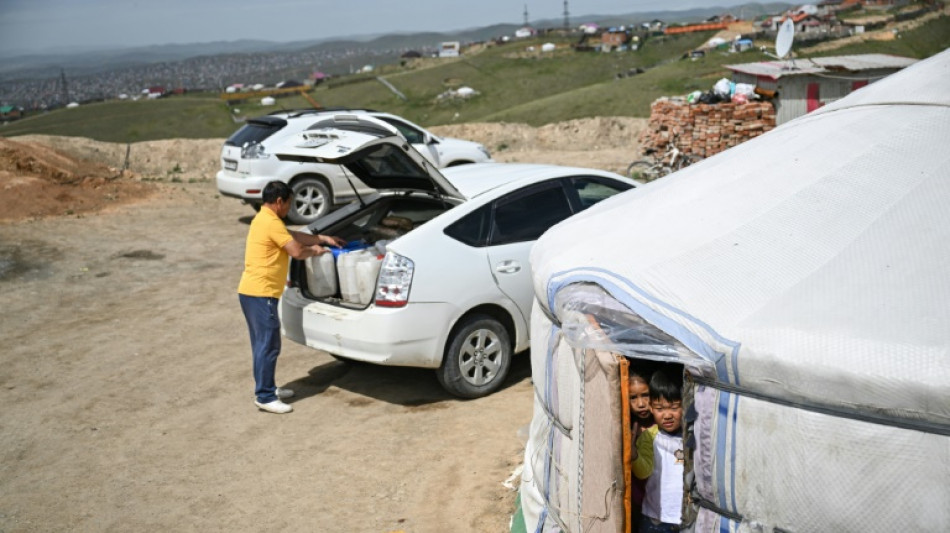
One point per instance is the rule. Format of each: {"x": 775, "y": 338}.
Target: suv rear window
{"x": 256, "y": 130}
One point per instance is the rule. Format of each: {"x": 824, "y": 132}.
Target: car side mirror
{"x": 431, "y": 140}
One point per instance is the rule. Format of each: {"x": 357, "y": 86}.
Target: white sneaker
{"x": 283, "y": 394}
{"x": 275, "y": 406}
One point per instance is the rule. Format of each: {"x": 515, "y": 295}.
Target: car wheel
{"x": 311, "y": 201}
{"x": 477, "y": 358}
{"x": 255, "y": 206}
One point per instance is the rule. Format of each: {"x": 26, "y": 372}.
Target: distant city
{"x": 206, "y": 73}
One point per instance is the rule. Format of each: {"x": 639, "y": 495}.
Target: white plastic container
{"x": 321, "y": 275}
{"x": 367, "y": 271}
{"x": 346, "y": 269}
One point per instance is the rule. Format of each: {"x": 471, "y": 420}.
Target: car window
{"x": 413, "y": 135}
{"x": 526, "y": 214}
{"x": 591, "y": 189}
{"x": 473, "y": 228}
{"x": 255, "y": 132}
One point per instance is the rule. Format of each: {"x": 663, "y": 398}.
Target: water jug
{"x": 321, "y": 275}
{"x": 346, "y": 269}
{"x": 367, "y": 270}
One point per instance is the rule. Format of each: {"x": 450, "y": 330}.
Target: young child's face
{"x": 668, "y": 415}
{"x": 640, "y": 398}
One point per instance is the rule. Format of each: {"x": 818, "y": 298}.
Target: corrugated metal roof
{"x": 819, "y": 65}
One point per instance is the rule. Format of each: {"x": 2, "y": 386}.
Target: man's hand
{"x": 332, "y": 241}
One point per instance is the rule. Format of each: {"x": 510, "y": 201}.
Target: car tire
{"x": 311, "y": 201}
{"x": 477, "y": 358}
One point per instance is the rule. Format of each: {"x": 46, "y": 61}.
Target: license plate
{"x": 230, "y": 164}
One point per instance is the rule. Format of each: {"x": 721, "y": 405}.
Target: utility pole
{"x": 62, "y": 81}
{"x": 526, "y": 14}
{"x": 567, "y": 17}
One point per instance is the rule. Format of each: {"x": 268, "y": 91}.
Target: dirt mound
{"x": 608, "y": 143}
{"x": 167, "y": 160}
{"x": 39, "y": 181}
{"x": 598, "y": 133}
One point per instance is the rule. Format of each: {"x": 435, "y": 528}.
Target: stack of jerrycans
{"x": 352, "y": 270}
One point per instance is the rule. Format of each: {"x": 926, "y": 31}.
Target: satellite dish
{"x": 783, "y": 41}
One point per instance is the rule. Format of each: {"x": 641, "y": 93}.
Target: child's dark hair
{"x": 663, "y": 384}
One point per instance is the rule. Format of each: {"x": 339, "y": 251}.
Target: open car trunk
{"x": 348, "y": 276}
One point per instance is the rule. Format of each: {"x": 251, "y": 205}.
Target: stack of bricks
{"x": 702, "y": 130}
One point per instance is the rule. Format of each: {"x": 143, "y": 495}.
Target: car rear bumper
{"x": 408, "y": 336}
{"x": 238, "y": 186}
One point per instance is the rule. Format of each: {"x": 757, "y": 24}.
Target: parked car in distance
{"x": 439, "y": 277}
{"x": 248, "y": 162}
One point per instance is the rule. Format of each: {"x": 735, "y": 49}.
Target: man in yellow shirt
{"x": 266, "y": 256}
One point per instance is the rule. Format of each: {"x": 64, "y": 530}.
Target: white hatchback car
{"x": 443, "y": 279}
{"x": 248, "y": 162}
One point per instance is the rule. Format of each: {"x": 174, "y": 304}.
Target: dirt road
{"x": 125, "y": 376}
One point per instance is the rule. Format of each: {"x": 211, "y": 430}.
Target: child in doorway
{"x": 659, "y": 456}
{"x": 641, "y": 419}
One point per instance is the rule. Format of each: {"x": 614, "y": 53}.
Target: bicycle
{"x": 656, "y": 167}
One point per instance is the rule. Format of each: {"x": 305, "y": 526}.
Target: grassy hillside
{"x": 515, "y": 84}
{"x": 506, "y": 77}
{"x": 126, "y": 121}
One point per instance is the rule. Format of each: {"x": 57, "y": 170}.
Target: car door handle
{"x": 508, "y": 267}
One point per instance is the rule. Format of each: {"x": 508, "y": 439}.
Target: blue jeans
{"x": 263, "y": 323}
{"x": 647, "y": 526}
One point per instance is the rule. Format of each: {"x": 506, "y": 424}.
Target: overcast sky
{"x": 38, "y": 25}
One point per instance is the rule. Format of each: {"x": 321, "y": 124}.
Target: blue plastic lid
{"x": 351, "y": 246}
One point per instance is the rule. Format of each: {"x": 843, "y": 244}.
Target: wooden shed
{"x": 805, "y": 84}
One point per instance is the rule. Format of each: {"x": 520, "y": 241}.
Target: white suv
{"x": 248, "y": 162}
{"x": 439, "y": 275}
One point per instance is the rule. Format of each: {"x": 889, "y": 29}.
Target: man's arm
{"x": 307, "y": 239}
{"x": 304, "y": 245}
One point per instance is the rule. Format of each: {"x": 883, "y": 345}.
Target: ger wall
{"x": 702, "y": 130}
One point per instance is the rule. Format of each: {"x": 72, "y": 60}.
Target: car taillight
{"x": 253, "y": 150}
{"x": 395, "y": 279}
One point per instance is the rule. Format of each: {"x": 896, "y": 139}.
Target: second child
{"x": 659, "y": 457}
{"x": 641, "y": 419}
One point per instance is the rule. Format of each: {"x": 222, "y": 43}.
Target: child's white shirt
{"x": 664, "y": 490}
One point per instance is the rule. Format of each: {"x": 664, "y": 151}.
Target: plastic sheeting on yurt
{"x": 802, "y": 279}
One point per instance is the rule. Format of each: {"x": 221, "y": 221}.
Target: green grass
{"x": 514, "y": 85}
{"x": 128, "y": 121}
{"x": 507, "y": 77}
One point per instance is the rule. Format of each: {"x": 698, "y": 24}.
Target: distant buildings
{"x": 804, "y": 85}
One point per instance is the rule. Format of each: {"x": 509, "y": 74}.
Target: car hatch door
{"x": 373, "y": 151}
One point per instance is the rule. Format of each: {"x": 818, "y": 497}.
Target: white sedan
{"x": 436, "y": 274}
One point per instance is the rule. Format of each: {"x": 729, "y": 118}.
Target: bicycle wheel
{"x": 683, "y": 162}
{"x": 643, "y": 171}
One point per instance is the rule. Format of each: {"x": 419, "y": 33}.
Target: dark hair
{"x": 641, "y": 369}
{"x": 663, "y": 384}
{"x": 274, "y": 190}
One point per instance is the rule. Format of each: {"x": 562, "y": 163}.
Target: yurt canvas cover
{"x": 803, "y": 280}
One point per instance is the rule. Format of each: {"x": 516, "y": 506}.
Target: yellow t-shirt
{"x": 265, "y": 260}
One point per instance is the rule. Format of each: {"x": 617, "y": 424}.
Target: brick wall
{"x": 702, "y": 130}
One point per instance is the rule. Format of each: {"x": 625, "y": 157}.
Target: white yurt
{"x": 802, "y": 280}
